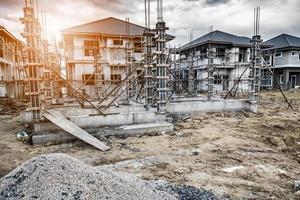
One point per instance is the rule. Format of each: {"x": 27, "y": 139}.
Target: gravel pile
{"x": 58, "y": 176}
{"x": 185, "y": 192}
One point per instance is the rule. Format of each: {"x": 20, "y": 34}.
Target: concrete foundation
{"x": 198, "y": 104}
{"x": 122, "y": 131}
{"x": 130, "y": 119}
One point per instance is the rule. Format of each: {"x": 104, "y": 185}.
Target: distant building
{"x": 230, "y": 56}
{"x": 284, "y": 58}
{"x": 117, "y": 42}
{"x": 10, "y": 65}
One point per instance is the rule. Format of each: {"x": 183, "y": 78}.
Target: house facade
{"x": 10, "y": 65}
{"x": 114, "y": 43}
{"x": 284, "y": 59}
{"x": 225, "y": 55}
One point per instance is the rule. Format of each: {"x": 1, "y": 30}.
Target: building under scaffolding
{"x": 216, "y": 59}
{"x": 11, "y": 65}
{"x": 120, "y": 82}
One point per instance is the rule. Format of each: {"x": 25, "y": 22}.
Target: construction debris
{"x": 8, "y": 106}
{"x": 23, "y": 136}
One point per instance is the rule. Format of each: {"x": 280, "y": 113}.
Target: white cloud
{"x": 182, "y": 16}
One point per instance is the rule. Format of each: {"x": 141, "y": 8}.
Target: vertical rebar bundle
{"x": 191, "y": 81}
{"x": 148, "y": 65}
{"x": 130, "y": 85}
{"x": 210, "y": 70}
{"x": 99, "y": 85}
{"x": 256, "y": 65}
{"x": 161, "y": 64}
{"x": 34, "y": 68}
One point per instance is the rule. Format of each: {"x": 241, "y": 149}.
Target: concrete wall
{"x": 294, "y": 59}
{"x": 112, "y": 55}
{"x": 125, "y": 115}
{"x": 287, "y": 59}
{"x": 223, "y": 105}
{"x": 287, "y": 73}
{"x": 116, "y": 119}
{"x": 283, "y": 60}
{"x": 235, "y": 73}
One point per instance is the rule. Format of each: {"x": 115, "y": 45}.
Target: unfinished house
{"x": 217, "y": 57}
{"x": 110, "y": 43}
{"x": 10, "y": 64}
{"x": 284, "y": 59}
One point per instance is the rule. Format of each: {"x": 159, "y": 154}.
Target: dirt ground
{"x": 245, "y": 155}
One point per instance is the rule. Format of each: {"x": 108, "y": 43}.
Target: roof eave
{"x": 281, "y": 49}
{"x": 214, "y": 42}
{"x": 102, "y": 34}
{"x": 9, "y": 34}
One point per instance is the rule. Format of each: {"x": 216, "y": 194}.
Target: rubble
{"x": 8, "y": 106}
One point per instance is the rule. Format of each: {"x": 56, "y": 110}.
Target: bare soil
{"x": 245, "y": 155}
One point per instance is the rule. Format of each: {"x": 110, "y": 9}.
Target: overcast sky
{"x": 183, "y": 17}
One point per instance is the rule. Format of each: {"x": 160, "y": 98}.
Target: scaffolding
{"x": 161, "y": 61}
{"x": 148, "y": 65}
{"x": 40, "y": 66}
{"x": 35, "y": 85}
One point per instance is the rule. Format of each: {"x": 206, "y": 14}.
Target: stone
{"x": 179, "y": 134}
{"x": 297, "y": 186}
{"x": 195, "y": 152}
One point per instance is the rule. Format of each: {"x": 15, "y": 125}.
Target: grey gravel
{"x": 186, "y": 192}
{"x": 58, "y": 176}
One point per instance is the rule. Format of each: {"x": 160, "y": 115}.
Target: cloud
{"x": 216, "y": 2}
{"x": 182, "y": 16}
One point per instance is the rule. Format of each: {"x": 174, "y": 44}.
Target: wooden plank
{"x": 59, "y": 120}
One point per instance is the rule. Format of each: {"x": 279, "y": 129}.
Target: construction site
{"x": 113, "y": 111}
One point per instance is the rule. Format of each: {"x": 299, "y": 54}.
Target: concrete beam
{"x": 222, "y": 105}
{"x": 122, "y": 131}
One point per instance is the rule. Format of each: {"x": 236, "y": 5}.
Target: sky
{"x": 187, "y": 19}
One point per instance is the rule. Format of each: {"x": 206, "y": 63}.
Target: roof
{"x": 220, "y": 37}
{"x": 284, "y": 41}
{"x": 107, "y": 26}
{"x": 2, "y": 28}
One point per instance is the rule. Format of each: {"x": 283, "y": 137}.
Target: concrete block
{"x": 52, "y": 138}
{"x": 147, "y": 117}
